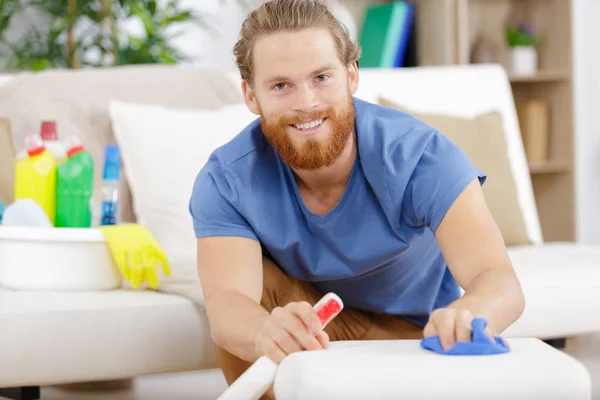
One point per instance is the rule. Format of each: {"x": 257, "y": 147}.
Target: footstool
{"x": 403, "y": 370}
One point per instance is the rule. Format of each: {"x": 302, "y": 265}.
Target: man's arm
{"x": 474, "y": 250}
{"x": 231, "y": 273}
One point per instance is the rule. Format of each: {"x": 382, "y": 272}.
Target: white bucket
{"x": 56, "y": 259}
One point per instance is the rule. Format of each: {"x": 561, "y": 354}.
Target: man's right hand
{"x": 289, "y": 329}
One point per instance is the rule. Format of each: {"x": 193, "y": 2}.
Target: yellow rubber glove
{"x": 136, "y": 253}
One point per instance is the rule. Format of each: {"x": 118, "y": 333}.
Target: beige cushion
{"x": 60, "y": 337}
{"x": 7, "y": 162}
{"x": 483, "y": 140}
{"x": 465, "y": 91}
{"x": 78, "y": 101}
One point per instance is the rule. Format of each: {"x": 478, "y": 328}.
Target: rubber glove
{"x": 136, "y": 253}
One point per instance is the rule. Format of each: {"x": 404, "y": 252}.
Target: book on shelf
{"x": 387, "y": 31}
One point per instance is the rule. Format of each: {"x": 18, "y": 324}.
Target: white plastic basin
{"x": 56, "y": 259}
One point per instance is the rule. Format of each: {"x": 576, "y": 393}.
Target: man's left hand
{"x": 451, "y": 325}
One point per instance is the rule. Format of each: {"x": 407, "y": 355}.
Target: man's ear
{"x": 250, "y": 98}
{"x": 353, "y": 77}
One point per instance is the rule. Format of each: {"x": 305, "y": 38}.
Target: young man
{"x": 325, "y": 192}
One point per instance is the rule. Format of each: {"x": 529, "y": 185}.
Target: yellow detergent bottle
{"x": 35, "y": 176}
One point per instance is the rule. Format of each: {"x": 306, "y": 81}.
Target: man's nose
{"x": 306, "y": 99}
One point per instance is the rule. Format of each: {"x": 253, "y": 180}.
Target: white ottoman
{"x": 403, "y": 370}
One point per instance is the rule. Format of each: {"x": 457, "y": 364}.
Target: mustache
{"x": 295, "y": 120}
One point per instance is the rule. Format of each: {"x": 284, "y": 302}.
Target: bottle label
{"x": 109, "y": 213}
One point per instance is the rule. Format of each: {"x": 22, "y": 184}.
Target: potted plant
{"x": 93, "y": 33}
{"x": 522, "y": 48}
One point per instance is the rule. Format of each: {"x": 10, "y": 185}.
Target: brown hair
{"x": 289, "y": 15}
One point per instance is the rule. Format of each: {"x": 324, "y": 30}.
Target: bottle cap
{"x": 73, "y": 145}
{"x": 35, "y": 145}
{"x": 48, "y": 130}
{"x": 111, "y": 162}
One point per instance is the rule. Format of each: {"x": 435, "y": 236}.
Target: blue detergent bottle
{"x": 2, "y": 208}
{"x": 110, "y": 185}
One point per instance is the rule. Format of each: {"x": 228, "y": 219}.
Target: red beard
{"x": 313, "y": 154}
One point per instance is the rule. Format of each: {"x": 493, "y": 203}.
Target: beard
{"x": 312, "y": 154}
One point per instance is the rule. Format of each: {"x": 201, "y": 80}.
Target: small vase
{"x": 523, "y": 60}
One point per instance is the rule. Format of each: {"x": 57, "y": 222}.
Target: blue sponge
{"x": 480, "y": 343}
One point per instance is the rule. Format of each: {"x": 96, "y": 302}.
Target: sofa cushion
{"x": 561, "y": 283}
{"x": 60, "y": 337}
{"x": 163, "y": 150}
{"x": 78, "y": 101}
{"x": 482, "y": 139}
{"x": 464, "y": 91}
{"x": 7, "y": 162}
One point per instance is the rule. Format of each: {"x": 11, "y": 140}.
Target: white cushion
{"x": 163, "y": 150}
{"x": 403, "y": 370}
{"x": 58, "y": 337}
{"x": 561, "y": 282}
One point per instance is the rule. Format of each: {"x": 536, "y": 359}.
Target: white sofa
{"x": 54, "y": 337}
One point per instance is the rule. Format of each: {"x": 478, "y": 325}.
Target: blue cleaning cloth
{"x": 480, "y": 343}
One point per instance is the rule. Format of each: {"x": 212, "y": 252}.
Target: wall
{"x": 587, "y": 118}
{"x": 216, "y": 49}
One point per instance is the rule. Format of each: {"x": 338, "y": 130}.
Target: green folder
{"x": 384, "y": 34}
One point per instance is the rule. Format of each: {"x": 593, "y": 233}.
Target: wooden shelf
{"x": 550, "y": 167}
{"x": 460, "y": 25}
{"x": 542, "y": 76}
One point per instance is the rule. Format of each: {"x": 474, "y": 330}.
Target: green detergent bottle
{"x": 75, "y": 187}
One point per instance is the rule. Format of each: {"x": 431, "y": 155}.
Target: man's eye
{"x": 321, "y": 77}
{"x": 280, "y": 86}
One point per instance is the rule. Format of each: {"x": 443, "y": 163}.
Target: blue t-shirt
{"x": 376, "y": 248}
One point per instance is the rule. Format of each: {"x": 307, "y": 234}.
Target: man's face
{"x": 303, "y": 94}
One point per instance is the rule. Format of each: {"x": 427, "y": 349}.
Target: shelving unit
{"x": 447, "y": 31}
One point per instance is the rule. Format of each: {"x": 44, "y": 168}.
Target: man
{"x": 325, "y": 192}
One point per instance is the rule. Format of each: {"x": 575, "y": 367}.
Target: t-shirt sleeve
{"x": 441, "y": 174}
{"x": 212, "y": 207}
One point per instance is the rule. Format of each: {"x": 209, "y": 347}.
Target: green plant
{"x": 520, "y": 34}
{"x": 8, "y": 8}
{"x": 91, "y": 33}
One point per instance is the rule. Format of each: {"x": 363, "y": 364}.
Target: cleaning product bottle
{"x": 2, "y": 208}
{"x": 50, "y": 138}
{"x": 75, "y": 187}
{"x": 110, "y": 187}
{"x": 35, "y": 176}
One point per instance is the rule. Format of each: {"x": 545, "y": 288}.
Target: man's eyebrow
{"x": 323, "y": 69}
{"x": 278, "y": 78}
